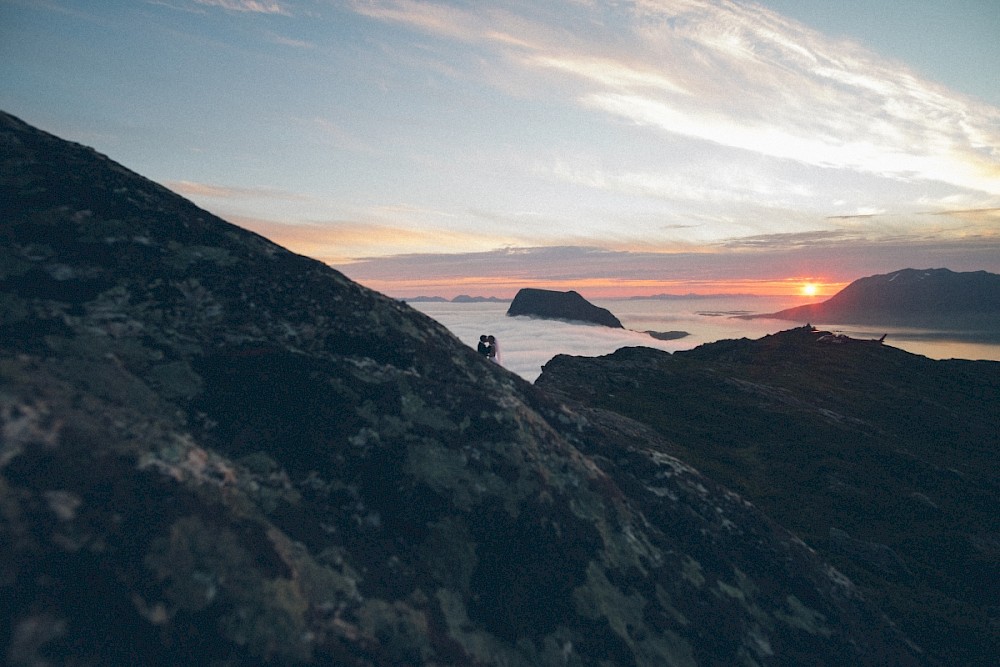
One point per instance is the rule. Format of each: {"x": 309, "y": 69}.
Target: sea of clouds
{"x": 526, "y": 344}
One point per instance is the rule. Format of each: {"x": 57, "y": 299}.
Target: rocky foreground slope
{"x": 215, "y": 451}
{"x": 884, "y": 461}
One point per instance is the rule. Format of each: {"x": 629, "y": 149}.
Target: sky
{"x": 612, "y": 147}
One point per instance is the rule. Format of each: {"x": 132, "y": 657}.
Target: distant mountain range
{"x": 938, "y": 298}
{"x": 465, "y": 298}
{"x": 461, "y": 298}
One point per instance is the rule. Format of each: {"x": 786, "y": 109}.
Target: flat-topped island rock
{"x": 554, "y": 305}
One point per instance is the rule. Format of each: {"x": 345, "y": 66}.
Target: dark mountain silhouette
{"x": 215, "y": 451}
{"x": 883, "y": 461}
{"x": 554, "y": 305}
{"x": 937, "y": 298}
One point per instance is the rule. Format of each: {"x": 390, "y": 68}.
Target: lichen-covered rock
{"x": 881, "y": 460}
{"x": 215, "y": 451}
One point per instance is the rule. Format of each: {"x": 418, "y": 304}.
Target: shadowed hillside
{"x": 884, "y": 461}
{"x": 215, "y": 451}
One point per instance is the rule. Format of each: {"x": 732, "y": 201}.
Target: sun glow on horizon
{"x": 596, "y": 288}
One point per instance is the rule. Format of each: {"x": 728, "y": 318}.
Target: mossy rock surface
{"x": 881, "y": 460}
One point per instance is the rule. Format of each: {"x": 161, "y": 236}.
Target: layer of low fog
{"x": 526, "y": 344}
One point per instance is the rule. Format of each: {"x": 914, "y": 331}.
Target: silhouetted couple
{"x": 489, "y": 348}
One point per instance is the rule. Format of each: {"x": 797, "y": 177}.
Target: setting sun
{"x": 810, "y": 289}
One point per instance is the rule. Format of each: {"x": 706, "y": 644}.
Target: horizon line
{"x": 625, "y": 297}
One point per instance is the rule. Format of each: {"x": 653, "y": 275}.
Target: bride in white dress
{"x": 494, "y": 353}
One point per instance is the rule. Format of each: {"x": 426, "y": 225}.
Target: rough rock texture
{"x": 215, "y": 451}
{"x": 553, "y": 305}
{"x": 937, "y": 298}
{"x": 884, "y": 461}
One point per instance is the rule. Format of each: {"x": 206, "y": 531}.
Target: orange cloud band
{"x": 595, "y": 287}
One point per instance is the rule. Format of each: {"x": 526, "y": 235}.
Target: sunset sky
{"x": 639, "y": 147}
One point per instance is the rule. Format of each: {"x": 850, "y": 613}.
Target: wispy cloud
{"x": 771, "y": 263}
{"x": 776, "y": 111}
{"x": 985, "y": 215}
{"x": 610, "y": 72}
{"x": 251, "y": 6}
{"x": 794, "y": 240}
{"x": 741, "y": 76}
{"x": 711, "y": 183}
{"x": 193, "y": 189}
{"x": 650, "y": 143}
{"x": 340, "y": 242}
{"x": 333, "y": 134}
{"x": 853, "y": 216}
{"x": 950, "y": 223}
{"x": 281, "y": 40}
{"x": 180, "y": 6}
{"x": 481, "y": 24}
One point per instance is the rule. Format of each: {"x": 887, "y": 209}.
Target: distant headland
{"x": 934, "y": 298}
